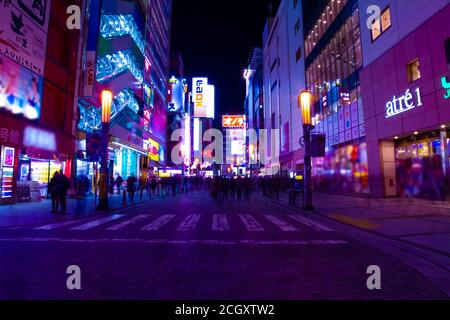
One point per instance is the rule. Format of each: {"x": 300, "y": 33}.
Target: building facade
{"x": 37, "y": 98}
{"x": 284, "y": 79}
{"x": 406, "y": 97}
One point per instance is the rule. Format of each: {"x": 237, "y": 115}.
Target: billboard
{"x": 20, "y": 89}
{"x": 154, "y": 150}
{"x": 203, "y": 98}
{"x": 23, "y": 32}
{"x": 233, "y": 121}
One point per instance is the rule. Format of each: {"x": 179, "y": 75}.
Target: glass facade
{"x": 333, "y": 61}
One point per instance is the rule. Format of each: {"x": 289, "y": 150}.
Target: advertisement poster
{"x": 23, "y": 32}
{"x": 129, "y": 163}
{"x": 153, "y": 150}
{"x": 20, "y": 89}
{"x": 355, "y": 133}
{"x": 348, "y": 135}
{"x": 354, "y": 114}
{"x": 341, "y": 120}
{"x": 335, "y": 124}
{"x": 360, "y": 110}
{"x": 362, "y": 131}
{"x": 8, "y": 160}
{"x": 347, "y": 117}
{"x": 341, "y": 137}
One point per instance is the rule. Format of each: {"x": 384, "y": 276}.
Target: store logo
{"x": 446, "y": 86}
{"x": 403, "y": 103}
{"x": 74, "y": 19}
{"x": 40, "y": 139}
{"x": 375, "y": 12}
{"x": 36, "y": 9}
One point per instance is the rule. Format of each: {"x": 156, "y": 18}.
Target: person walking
{"x": 52, "y": 189}
{"x": 131, "y": 187}
{"x": 119, "y": 182}
{"x": 62, "y": 186}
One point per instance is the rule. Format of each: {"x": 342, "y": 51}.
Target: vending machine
{"x": 7, "y": 175}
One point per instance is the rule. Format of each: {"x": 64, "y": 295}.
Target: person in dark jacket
{"x": 131, "y": 187}
{"x": 52, "y": 189}
{"x": 62, "y": 185}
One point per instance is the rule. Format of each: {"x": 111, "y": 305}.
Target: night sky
{"x": 215, "y": 39}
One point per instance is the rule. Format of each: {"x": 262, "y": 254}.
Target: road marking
{"x": 158, "y": 223}
{"x": 220, "y": 223}
{"x": 250, "y": 223}
{"x": 315, "y": 225}
{"x": 361, "y": 223}
{"x": 280, "y": 223}
{"x": 56, "y": 225}
{"x": 98, "y": 222}
{"x": 187, "y": 242}
{"x": 128, "y": 222}
{"x": 189, "y": 223}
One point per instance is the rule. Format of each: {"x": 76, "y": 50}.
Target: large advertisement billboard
{"x": 203, "y": 98}
{"x": 23, "y": 32}
{"x": 20, "y": 90}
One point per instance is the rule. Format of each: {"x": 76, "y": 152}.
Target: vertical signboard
{"x": 23, "y": 32}
{"x": 199, "y": 96}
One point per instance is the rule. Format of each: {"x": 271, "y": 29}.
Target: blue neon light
{"x": 114, "y": 64}
{"x": 113, "y": 26}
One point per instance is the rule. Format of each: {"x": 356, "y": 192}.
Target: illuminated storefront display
{"x": 20, "y": 90}
{"x": 7, "y": 172}
{"x": 343, "y": 170}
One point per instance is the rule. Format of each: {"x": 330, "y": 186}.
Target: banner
{"x": 23, "y": 32}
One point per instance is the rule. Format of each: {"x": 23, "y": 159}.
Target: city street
{"x": 190, "y": 246}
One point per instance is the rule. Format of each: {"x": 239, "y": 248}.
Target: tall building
{"x": 406, "y": 97}
{"x": 284, "y": 79}
{"x": 127, "y": 52}
{"x": 254, "y": 105}
{"x": 333, "y": 61}
{"x": 37, "y": 97}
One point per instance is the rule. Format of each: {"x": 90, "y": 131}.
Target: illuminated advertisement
{"x": 154, "y": 150}
{"x": 344, "y": 169}
{"x": 203, "y": 98}
{"x": 237, "y": 141}
{"x": 176, "y": 98}
{"x": 8, "y": 158}
{"x": 7, "y": 172}
{"x": 129, "y": 163}
{"x": 233, "y": 121}
{"x": 20, "y": 90}
{"x": 23, "y": 35}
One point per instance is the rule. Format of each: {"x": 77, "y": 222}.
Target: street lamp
{"x": 305, "y": 99}
{"x": 106, "y": 119}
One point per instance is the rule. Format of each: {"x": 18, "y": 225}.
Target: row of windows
{"x": 341, "y": 57}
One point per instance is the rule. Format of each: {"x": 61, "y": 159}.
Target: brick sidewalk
{"x": 420, "y": 222}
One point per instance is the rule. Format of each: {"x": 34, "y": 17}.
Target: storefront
{"x": 30, "y": 155}
{"x": 407, "y": 115}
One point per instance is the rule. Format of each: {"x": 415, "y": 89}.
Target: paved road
{"x": 192, "y": 247}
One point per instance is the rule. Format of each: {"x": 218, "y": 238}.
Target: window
{"x": 413, "y": 70}
{"x": 297, "y": 26}
{"x": 381, "y": 24}
{"x": 447, "y": 50}
{"x": 298, "y": 54}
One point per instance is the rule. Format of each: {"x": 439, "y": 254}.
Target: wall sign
{"x": 404, "y": 103}
{"x": 446, "y": 86}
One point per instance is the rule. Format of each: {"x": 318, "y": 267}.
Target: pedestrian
{"x": 62, "y": 185}
{"x": 131, "y": 187}
{"x": 52, "y": 189}
{"x": 119, "y": 182}
{"x": 154, "y": 185}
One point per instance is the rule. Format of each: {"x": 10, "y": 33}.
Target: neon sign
{"x": 403, "y": 103}
{"x": 446, "y": 86}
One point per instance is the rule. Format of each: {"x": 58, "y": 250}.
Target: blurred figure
{"x": 131, "y": 187}
{"x": 52, "y": 189}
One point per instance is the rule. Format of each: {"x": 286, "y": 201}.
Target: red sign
{"x": 233, "y": 121}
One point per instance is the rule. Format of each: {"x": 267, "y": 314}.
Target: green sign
{"x": 446, "y": 86}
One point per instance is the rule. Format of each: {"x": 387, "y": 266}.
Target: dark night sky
{"x": 215, "y": 38}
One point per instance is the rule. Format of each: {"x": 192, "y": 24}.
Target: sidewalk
{"x": 22, "y": 214}
{"x": 420, "y": 222}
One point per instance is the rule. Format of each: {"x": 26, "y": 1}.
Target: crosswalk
{"x": 219, "y": 223}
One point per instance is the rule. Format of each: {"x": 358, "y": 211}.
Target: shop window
{"x": 381, "y": 24}
{"x": 447, "y": 50}
{"x": 413, "y": 70}
{"x": 298, "y": 54}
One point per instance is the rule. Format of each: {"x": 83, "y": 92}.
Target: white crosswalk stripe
{"x": 56, "y": 225}
{"x": 189, "y": 223}
{"x": 128, "y": 222}
{"x": 315, "y": 225}
{"x": 98, "y": 222}
{"x": 280, "y": 223}
{"x": 158, "y": 223}
{"x": 250, "y": 223}
{"x": 220, "y": 223}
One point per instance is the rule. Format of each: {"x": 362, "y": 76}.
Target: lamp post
{"x": 305, "y": 99}
{"x": 106, "y": 119}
